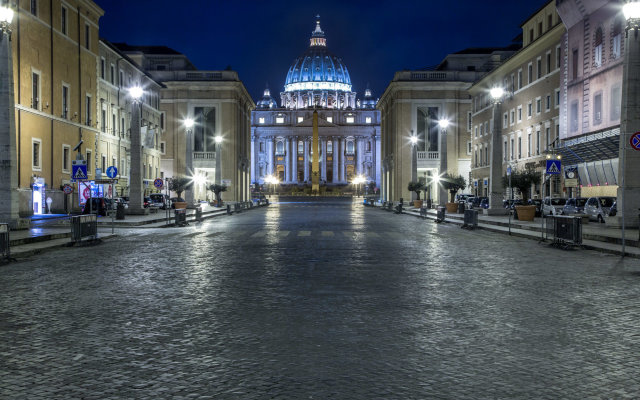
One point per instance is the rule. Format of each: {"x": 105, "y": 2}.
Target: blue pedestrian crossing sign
{"x": 553, "y": 167}
{"x": 79, "y": 172}
{"x": 112, "y": 172}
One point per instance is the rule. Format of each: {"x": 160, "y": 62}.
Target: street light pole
{"x": 414, "y": 159}
{"x": 496, "y": 192}
{"x": 136, "y": 204}
{"x": 443, "y": 124}
{"x": 9, "y": 162}
{"x": 188, "y": 124}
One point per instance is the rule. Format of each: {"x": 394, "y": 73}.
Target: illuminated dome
{"x": 267, "y": 101}
{"x": 318, "y": 78}
{"x": 368, "y": 101}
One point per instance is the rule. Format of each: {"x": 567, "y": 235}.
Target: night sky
{"x": 260, "y": 39}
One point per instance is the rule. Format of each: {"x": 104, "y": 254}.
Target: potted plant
{"x": 179, "y": 184}
{"x": 416, "y": 187}
{"x": 217, "y": 190}
{"x": 523, "y": 180}
{"x": 452, "y": 183}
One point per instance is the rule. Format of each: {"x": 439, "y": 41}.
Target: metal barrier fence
{"x": 84, "y": 226}
{"x": 564, "y": 229}
{"x": 470, "y": 219}
{"x": 5, "y": 251}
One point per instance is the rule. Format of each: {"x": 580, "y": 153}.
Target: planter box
{"x": 526, "y": 213}
{"x": 452, "y": 208}
{"x": 180, "y": 204}
{"x": 417, "y": 203}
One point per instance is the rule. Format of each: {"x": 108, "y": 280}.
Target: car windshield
{"x": 558, "y": 201}
{"x": 606, "y": 201}
{"x": 580, "y": 202}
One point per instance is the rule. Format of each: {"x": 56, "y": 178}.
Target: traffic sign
{"x": 508, "y": 170}
{"x": 553, "y": 167}
{"x": 105, "y": 181}
{"x": 158, "y": 183}
{"x": 67, "y": 189}
{"x": 112, "y": 172}
{"x": 79, "y": 172}
{"x": 635, "y": 141}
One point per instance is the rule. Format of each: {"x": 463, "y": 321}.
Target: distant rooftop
{"x": 147, "y": 49}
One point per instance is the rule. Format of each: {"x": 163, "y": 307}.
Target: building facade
{"x": 349, "y": 129}
{"x": 217, "y": 148}
{"x": 55, "y": 53}
{"x": 413, "y": 104}
{"x": 528, "y": 112}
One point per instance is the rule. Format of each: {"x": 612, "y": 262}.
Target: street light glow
{"x": 188, "y": 123}
{"x": 6, "y": 14}
{"x": 218, "y": 139}
{"x": 199, "y": 179}
{"x": 444, "y": 123}
{"x": 497, "y": 93}
{"x": 413, "y": 139}
{"x": 136, "y": 92}
{"x": 436, "y": 179}
{"x": 631, "y": 10}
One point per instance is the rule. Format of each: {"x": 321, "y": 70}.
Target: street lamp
{"x": 443, "y": 123}
{"x": 414, "y": 158}
{"x": 136, "y": 204}
{"x": 188, "y": 124}
{"x": 8, "y": 162}
{"x": 218, "y": 141}
{"x": 496, "y": 191}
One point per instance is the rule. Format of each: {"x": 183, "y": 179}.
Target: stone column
{"x": 334, "y": 157}
{"x": 254, "y": 156}
{"x": 294, "y": 159}
{"x": 377, "y": 167}
{"x": 343, "y": 168}
{"x": 307, "y": 176}
{"x": 323, "y": 174}
{"x": 270, "y": 149}
{"x": 496, "y": 190}
{"x": 287, "y": 162}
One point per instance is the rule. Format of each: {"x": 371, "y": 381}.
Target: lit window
{"x": 279, "y": 120}
{"x": 330, "y": 119}
{"x": 261, "y": 120}
{"x": 598, "y": 48}
{"x": 367, "y": 120}
{"x": 300, "y": 119}
{"x": 350, "y": 120}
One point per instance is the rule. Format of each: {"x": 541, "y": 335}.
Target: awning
{"x": 597, "y": 146}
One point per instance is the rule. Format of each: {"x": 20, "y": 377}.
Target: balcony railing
{"x": 428, "y": 155}
{"x": 204, "y": 155}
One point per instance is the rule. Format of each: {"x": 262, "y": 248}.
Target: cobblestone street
{"x": 319, "y": 300}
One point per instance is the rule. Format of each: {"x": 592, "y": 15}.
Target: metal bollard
{"x": 229, "y": 212}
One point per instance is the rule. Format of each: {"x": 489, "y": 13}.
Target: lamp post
{"x": 136, "y": 204}
{"x": 443, "y": 124}
{"x": 496, "y": 192}
{"x": 188, "y": 124}
{"x": 628, "y": 196}
{"x": 9, "y": 163}
{"x": 414, "y": 159}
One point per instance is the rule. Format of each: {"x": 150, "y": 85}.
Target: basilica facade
{"x": 348, "y": 128}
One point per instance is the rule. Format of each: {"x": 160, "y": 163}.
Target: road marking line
{"x": 327, "y": 233}
{"x": 259, "y": 234}
{"x": 283, "y": 233}
{"x": 304, "y": 233}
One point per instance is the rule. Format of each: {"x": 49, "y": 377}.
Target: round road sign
{"x": 68, "y": 189}
{"x": 158, "y": 183}
{"x": 635, "y": 141}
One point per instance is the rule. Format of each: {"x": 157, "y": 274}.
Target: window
{"x": 539, "y": 68}
{"x": 530, "y": 35}
{"x": 330, "y": 120}
{"x": 505, "y": 120}
{"x": 519, "y": 147}
{"x": 36, "y": 155}
{"x": 123, "y": 168}
{"x": 121, "y": 78}
{"x": 104, "y": 163}
{"x": 476, "y": 130}
{"x": 616, "y": 102}
{"x": 513, "y": 83}
{"x": 519, "y": 79}
{"x": 513, "y": 117}
{"x": 102, "y": 68}
{"x": 597, "y": 51}
{"x": 368, "y": 146}
{"x": 87, "y": 39}
{"x": 367, "y": 120}
{"x": 548, "y": 105}
{"x": 617, "y": 40}
{"x": 538, "y": 142}
{"x": 300, "y": 119}
{"x": 505, "y": 150}
{"x": 261, "y": 120}
{"x": 103, "y": 120}
{"x": 597, "y": 108}
{"x": 486, "y": 155}
{"x": 548, "y": 135}
{"x": 35, "y": 90}
{"x": 65, "y": 102}
{"x": 34, "y": 7}
{"x": 549, "y": 21}
{"x": 574, "y": 64}
{"x": 112, "y": 74}
{"x": 88, "y": 161}
{"x": 519, "y": 113}
{"x": 350, "y": 147}
{"x": 558, "y": 59}
{"x": 540, "y": 28}
{"x": 538, "y": 105}
{"x": 163, "y": 147}
{"x": 122, "y": 126}
{"x": 481, "y": 130}
{"x": 279, "y": 120}
{"x": 548, "y": 63}
{"x": 329, "y": 146}
{"x": 113, "y": 124}
{"x": 87, "y": 117}
{"x": 573, "y": 116}
{"x": 529, "y": 110}
{"x": 557, "y": 98}
{"x": 530, "y": 73}
{"x": 63, "y": 20}
{"x": 529, "y": 145}
{"x": 469, "y": 119}
{"x": 350, "y": 120}
{"x": 300, "y": 147}
{"x": 66, "y": 158}
{"x": 512, "y": 146}
{"x": 280, "y": 147}
{"x": 469, "y": 147}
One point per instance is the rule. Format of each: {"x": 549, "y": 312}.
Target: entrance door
{"x": 281, "y": 173}
{"x": 37, "y": 198}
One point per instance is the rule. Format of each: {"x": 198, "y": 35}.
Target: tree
{"x": 179, "y": 184}
{"x": 522, "y": 180}
{"x": 416, "y": 187}
{"x": 453, "y": 183}
{"x": 217, "y": 190}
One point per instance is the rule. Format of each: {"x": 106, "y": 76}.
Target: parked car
{"x": 553, "y": 205}
{"x": 574, "y": 206}
{"x": 614, "y": 209}
{"x": 598, "y": 208}
{"x": 484, "y": 202}
{"x": 146, "y": 202}
{"x": 121, "y": 200}
{"x": 159, "y": 200}
{"x": 538, "y": 204}
{"x": 469, "y": 202}
{"x": 95, "y": 205}
{"x": 512, "y": 203}
{"x": 463, "y": 197}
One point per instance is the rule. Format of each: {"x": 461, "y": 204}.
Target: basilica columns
{"x": 334, "y": 156}
{"x": 323, "y": 158}
{"x": 307, "y": 175}
{"x": 287, "y": 155}
{"x": 270, "y": 150}
{"x": 293, "y": 166}
{"x": 343, "y": 175}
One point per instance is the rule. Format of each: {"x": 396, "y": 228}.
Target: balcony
{"x": 204, "y": 159}
{"x": 428, "y": 156}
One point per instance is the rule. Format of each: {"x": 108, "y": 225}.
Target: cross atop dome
{"x": 317, "y": 36}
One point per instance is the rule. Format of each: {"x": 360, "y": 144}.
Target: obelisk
{"x": 315, "y": 161}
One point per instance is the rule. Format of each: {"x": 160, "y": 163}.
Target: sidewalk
{"x": 595, "y": 236}
{"x": 52, "y": 231}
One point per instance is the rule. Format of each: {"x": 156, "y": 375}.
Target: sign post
{"x": 511, "y": 192}
{"x": 112, "y": 172}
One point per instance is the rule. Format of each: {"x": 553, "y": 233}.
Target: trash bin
{"x": 440, "y": 213}
{"x": 181, "y": 216}
{"x": 199, "y": 214}
{"x": 461, "y": 207}
{"x": 120, "y": 211}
